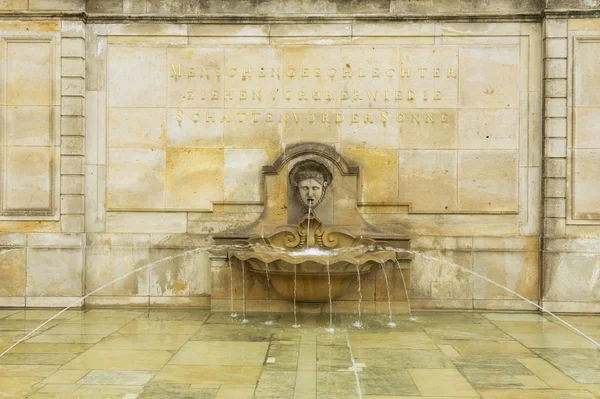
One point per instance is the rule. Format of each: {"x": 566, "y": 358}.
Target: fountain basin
{"x": 313, "y": 273}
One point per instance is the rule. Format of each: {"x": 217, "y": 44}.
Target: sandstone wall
{"x": 115, "y": 154}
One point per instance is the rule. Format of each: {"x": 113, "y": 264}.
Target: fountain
{"x": 311, "y": 241}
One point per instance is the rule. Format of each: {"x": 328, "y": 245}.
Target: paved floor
{"x": 192, "y": 354}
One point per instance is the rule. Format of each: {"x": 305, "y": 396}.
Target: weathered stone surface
{"x": 427, "y": 179}
{"x": 13, "y": 272}
{"x": 54, "y": 272}
{"x": 487, "y": 179}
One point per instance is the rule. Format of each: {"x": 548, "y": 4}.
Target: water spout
{"x": 232, "y": 314}
{"x": 244, "y": 320}
{"x": 389, "y": 299}
{"x": 358, "y": 323}
{"x": 405, "y": 292}
{"x": 330, "y": 329}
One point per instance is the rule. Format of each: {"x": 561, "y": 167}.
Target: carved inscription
{"x": 414, "y": 85}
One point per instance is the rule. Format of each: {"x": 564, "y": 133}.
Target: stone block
{"x": 556, "y": 127}
{"x": 361, "y": 134}
{"x": 586, "y": 74}
{"x": 554, "y": 188}
{"x": 57, "y": 5}
{"x": 583, "y": 24}
{"x": 298, "y": 125}
{"x": 13, "y": 239}
{"x": 13, "y": 5}
{"x": 73, "y": 67}
{"x": 586, "y": 184}
{"x": 72, "y": 29}
{"x": 72, "y": 126}
{"x": 555, "y": 147}
{"x": 104, "y": 6}
{"x": 295, "y": 7}
{"x": 72, "y": 106}
{"x": 134, "y": 6}
{"x": 271, "y": 58}
{"x": 28, "y": 126}
{"x": 555, "y": 88}
{"x": 488, "y": 180}
{"x": 571, "y": 277}
{"x": 136, "y": 178}
{"x": 555, "y": 28}
{"x": 488, "y": 77}
{"x": 194, "y": 178}
{"x": 72, "y": 223}
{"x": 375, "y": 186}
{"x": 28, "y": 78}
{"x": 72, "y": 145}
{"x": 201, "y": 128}
{"x": 423, "y": 80}
{"x": 199, "y": 223}
{"x": 356, "y": 64}
{"x": 71, "y": 165}
{"x": 555, "y": 168}
{"x": 54, "y": 272}
{"x": 506, "y": 243}
{"x": 192, "y": 77}
{"x": 427, "y": 179}
{"x": 305, "y": 30}
{"x": 555, "y": 68}
{"x": 585, "y": 135}
{"x": 72, "y": 204}
{"x": 555, "y": 107}
{"x": 119, "y": 240}
{"x": 181, "y": 276}
{"x": 554, "y": 207}
{"x": 13, "y": 272}
{"x": 554, "y": 226}
{"x": 425, "y": 128}
{"x": 137, "y": 77}
{"x": 137, "y": 127}
{"x": 72, "y": 47}
{"x": 488, "y": 129}
{"x": 71, "y": 184}
{"x": 53, "y": 240}
{"x": 242, "y": 174}
{"x": 146, "y": 222}
{"x": 28, "y": 178}
{"x": 432, "y": 271}
{"x": 555, "y": 48}
{"x": 394, "y": 29}
{"x": 109, "y": 265}
{"x": 73, "y": 87}
{"x": 517, "y": 271}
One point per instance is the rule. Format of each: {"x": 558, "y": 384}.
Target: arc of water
{"x": 147, "y": 266}
{"x": 578, "y": 331}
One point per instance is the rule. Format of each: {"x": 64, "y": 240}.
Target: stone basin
{"x": 314, "y": 270}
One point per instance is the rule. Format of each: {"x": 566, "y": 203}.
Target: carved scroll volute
{"x": 286, "y": 237}
{"x": 336, "y": 238}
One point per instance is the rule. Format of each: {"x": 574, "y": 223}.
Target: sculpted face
{"x": 310, "y": 191}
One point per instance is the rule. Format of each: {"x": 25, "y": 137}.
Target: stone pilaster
{"x": 72, "y": 127}
{"x": 555, "y": 126}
